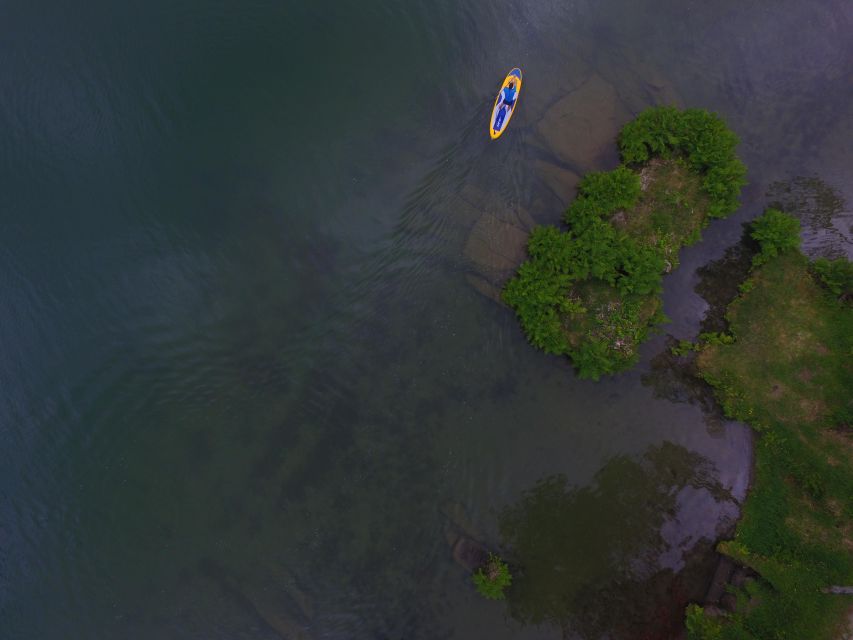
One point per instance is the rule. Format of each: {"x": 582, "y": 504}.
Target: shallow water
{"x": 248, "y": 388}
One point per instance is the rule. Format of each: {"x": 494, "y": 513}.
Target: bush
{"x": 653, "y": 133}
{"x": 537, "y": 294}
{"x": 698, "y": 135}
{"x": 605, "y": 192}
{"x": 700, "y": 626}
{"x": 492, "y": 578}
{"x": 776, "y": 233}
{"x": 597, "y": 252}
{"x": 593, "y": 359}
{"x": 683, "y": 348}
{"x": 640, "y": 269}
{"x": 836, "y": 275}
{"x": 716, "y": 338}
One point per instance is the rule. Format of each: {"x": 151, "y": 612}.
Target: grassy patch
{"x": 671, "y": 209}
{"x": 788, "y": 372}
{"x": 593, "y": 292}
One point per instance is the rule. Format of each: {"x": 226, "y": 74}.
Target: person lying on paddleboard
{"x": 508, "y": 95}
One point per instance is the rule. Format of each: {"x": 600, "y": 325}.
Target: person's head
{"x": 511, "y": 85}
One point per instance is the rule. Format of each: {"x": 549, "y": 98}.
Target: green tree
{"x": 776, "y": 232}
{"x": 836, "y": 275}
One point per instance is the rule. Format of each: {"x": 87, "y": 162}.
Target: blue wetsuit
{"x": 509, "y": 96}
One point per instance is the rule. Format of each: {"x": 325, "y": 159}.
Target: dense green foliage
{"x": 836, "y": 275}
{"x": 785, "y": 370}
{"x": 600, "y": 193}
{"x": 492, "y": 578}
{"x": 702, "y": 138}
{"x": 776, "y": 232}
{"x": 701, "y": 627}
{"x": 592, "y": 292}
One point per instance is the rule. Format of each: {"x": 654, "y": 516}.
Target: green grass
{"x": 789, "y": 373}
{"x": 593, "y": 292}
{"x": 671, "y": 211}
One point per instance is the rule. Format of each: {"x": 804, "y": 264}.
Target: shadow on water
{"x": 588, "y": 559}
{"x": 719, "y": 281}
{"x": 674, "y": 378}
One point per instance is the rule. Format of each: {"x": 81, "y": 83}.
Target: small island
{"x": 592, "y": 292}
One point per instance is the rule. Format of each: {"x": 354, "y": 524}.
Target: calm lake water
{"x": 247, "y": 388}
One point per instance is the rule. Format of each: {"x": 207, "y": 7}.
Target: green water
{"x": 248, "y": 391}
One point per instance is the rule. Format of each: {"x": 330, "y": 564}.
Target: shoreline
{"x": 793, "y": 537}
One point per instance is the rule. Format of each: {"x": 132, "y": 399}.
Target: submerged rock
{"x": 469, "y": 554}
{"x": 661, "y": 89}
{"x": 459, "y": 518}
{"x": 497, "y": 239}
{"x": 483, "y": 201}
{"x": 275, "y": 605}
{"x": 486, "y": 288}
{"x": 641, "y": 82}
{"x": 562, "y": 182}
{"x": 462, "y": 536}
{"x": 285, "y": 626}
{"x": 580, "y": 128}
{"x": 495, "y": 248}
{"x": 277, "y": 600}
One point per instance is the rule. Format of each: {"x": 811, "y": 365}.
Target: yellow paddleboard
{"x": 501, "y": 113}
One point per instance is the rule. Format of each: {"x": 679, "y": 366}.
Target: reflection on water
{"x": 588, "y": 559}
{"x": 719, "y": 280}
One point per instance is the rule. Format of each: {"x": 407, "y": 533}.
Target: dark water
{"x": 248, "y": 391}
